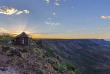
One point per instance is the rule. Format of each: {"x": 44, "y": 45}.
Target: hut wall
{"x": 25, "y": 41}
{"x": 19, "y": 41}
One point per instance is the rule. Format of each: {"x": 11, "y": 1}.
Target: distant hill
{"x": 91, "y": 56}
{"x": 101, "y": 42}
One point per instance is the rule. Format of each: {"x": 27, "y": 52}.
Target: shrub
{"x": 38, "y": 51}
{"x": 49, "y": 52}
{"x": 5, "y": 39}
{"x": 51, "y": 60}
{"x": 64, "y": 66}
{"x": 69, "y": 66}
{"x": 26, "y": 48}
{"x": 61, "y": 68}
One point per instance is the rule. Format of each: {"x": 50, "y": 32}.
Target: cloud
{"x": 9, "y": 11}
{"x": 105, "y": 17}
{"x": 57, "y": 4}
{"x": 51, "y": 23}
{"x": 84, "y": 28}
{"x": 47, "y": 1}
{"x": 2, "y": 30}
{"x": 26, "y": 11}
{"x": 19, "y": 12}
{"x": 54, "y": 13}
{"x": 49, "y": 18}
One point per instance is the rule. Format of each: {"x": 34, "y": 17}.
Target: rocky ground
{"x": 28, "y": 60}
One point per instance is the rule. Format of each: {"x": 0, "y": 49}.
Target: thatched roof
{"x": 22, "y": 35}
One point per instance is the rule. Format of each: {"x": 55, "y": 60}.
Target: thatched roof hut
{"x": 21, "y": 39}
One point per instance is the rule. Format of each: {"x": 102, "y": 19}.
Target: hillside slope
{"x": 31, "y": 60}
{"x": 25, "y": 60}
{"x": 90, "y": 56}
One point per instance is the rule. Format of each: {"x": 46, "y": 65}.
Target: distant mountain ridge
{"x": 101, "y": 42}
{"x": 91, "y": 56}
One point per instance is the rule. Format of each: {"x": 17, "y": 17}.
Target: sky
{"x": 66, "y": 19}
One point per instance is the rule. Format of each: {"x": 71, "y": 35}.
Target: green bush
{"x": 5, "y": 39}
{"x": 49, "y": 52}
{"x": 65, "y": 67}
{"x": 26, "y": 48}
{"x": 69, "y": 66}
{"x": 52, "y": 59}
{"x": 61, "y": 67}
{"x": 38, "y": 51}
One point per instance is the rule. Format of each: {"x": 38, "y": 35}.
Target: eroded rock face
{"x": 91, "y": 56}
